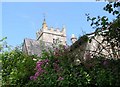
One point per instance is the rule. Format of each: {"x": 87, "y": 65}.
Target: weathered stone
{"x": 45, "y": 39}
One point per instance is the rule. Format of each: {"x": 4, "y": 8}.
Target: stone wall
{"x": 48, "y": 35}
{"x": 83, "y": 50}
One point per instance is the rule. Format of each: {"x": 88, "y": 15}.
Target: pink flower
{"x": 56, "y": 67}
{"x": 39, "y": 62}
{"x": 31, "y": 77}
{"x": 38, "y": 66}
{"x": 46, "y": 61}
{"x": 34, "y": 77}
{"x": 60, "y": 78}
{"x": 37, "y": 74}
{"x": 39, "y": 69}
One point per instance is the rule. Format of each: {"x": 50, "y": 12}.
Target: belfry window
{"x": 54, "y": 40}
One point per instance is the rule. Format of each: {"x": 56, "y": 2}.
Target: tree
{"x": 109, "y": 30}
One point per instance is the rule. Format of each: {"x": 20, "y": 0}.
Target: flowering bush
{"x": 39, "y": 69}
{"x": 56, "y": 71}
{"x": 55, "y": 68}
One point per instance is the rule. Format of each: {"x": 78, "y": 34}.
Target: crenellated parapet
{"x": 46, "y": 38}
{"x": 51, "y": 30}
{"x": 48, "y": 34}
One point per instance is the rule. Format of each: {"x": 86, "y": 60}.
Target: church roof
{"x": 35, "y": 47}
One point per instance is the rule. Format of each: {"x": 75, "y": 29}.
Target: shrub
{"x": 17, "y": 67}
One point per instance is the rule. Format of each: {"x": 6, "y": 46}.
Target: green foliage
{"x": 104, "y": 72}
{"x": 110, "y": 31}
{"x": 1, "y": 49}
{"x": 56, "y": 68}
{"x": 111, "y": 8}
{"x": 1, "y": 43}
{"x": 94, "y": 72}
{"x": 16, "y": 67}
{"x": 59, "y": 72}
{"x": 82, "y": 40}
{"x": 19, "y": 67}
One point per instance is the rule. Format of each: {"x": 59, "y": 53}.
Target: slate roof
{"x": 35, "y": 47}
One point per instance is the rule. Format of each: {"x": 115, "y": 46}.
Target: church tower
{"x": 44, "y": 25}
{"x": 51, "y": 35}
{"x": 73, "y": 38}
{"x": 45, "y": 39}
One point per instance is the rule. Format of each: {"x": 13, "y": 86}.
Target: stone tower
{"x": 45, "y": 39}
{"x": 73, "y": 38}
{"x": 51, "y": 35}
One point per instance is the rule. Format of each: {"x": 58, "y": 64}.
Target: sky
{"x": 50, "y": 0}
{"x": 22, "y": 19}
